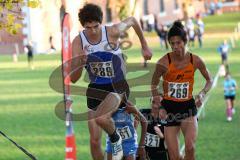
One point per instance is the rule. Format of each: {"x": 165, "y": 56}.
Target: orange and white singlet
{"x": 178, "y": 83}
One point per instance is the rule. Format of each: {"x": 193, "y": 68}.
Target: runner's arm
{"x": 124, "y": 25}
{"x": 131, "y": 109}
{"x": 78, "y": 59}
{"x": 205, "y": 73}
{"x": 160, "y": 69}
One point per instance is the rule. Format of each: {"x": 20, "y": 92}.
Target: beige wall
{"x": 170, "y": 14}
{"x": 45, "y": 21}
{"x": 8, "y": 41}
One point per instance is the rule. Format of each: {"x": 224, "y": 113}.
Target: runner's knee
{"x": 95, "y": 142}
{"x": 102, "y": 120}
{"x": 175, "y": 156}
{"x": 189, "y": 147}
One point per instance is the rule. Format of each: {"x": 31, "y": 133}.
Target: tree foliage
{"x": 11, "y": 14}
{"x": 122, "y": 8}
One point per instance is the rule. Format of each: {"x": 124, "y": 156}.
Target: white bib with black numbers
{"x": 124, "y": 132}
{"x": 178, "y": 90}
{"x": 152, "y": 140}
{"x": 105, "y": 65}
{"x": 102, "y": 69}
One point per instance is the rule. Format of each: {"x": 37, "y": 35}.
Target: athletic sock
{"x": 229, "y": 112}
{"x": 114, "y": 137}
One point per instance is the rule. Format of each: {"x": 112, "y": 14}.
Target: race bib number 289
{"x": 102, "y": 69}
{"x": 178, "y": 90}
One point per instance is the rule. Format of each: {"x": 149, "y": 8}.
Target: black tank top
{"x": 153, "y": 143}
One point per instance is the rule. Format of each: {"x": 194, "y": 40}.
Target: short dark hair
{"x": 177, "y": 29}
{"x": 89, "y": 13}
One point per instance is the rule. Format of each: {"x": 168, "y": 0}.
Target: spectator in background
{"x": 161, "y": 32}
{"x": 212, "y": 8}
{"x": 190, "y": 31}
{"x": 219, "y": 6}
{"x": 230, "y": 87}
{"x": 223, "y": 49}
{"x": 150, "y": 22}
{"x": 29, "y": 50}
{"x": 52, "y": 48}
{"x": 200, "y": 30}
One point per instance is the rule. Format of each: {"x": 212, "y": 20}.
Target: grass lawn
{"x": 27, "y": 103}
{"x": 222, "y": 23}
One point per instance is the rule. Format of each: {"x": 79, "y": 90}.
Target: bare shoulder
{"x": 196, "y": 58}
{"x": 163, "y": 61}
{"x": 131, "y": 109}
{"x": 161, "y": 65}
{"x": 113, "y": 31}
{"x": 77, "y": 46}
{"x": 197, "y": 61}
{"x": 77, "y": 40}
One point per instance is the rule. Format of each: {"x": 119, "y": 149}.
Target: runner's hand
{"x": 147, "y": 53}
{"x": 199, "y": 99}
{"x": 83, "y": 56}
{"x": 158, "y": 131}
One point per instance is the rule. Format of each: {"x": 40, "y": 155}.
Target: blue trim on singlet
{"x": 90, "y": 42}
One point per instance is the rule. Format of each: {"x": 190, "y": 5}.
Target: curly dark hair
{"x": 89, "y": 13}
{"x": 177, "y": 29}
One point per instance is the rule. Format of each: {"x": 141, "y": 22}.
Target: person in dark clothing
{"x": 154, "y": 142}
{"x": 51, "y": 43}
{"x": 29, "y": 49}
{"x": 161, "y": 32}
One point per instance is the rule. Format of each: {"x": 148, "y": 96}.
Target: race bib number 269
{"x": 178, "y": 90}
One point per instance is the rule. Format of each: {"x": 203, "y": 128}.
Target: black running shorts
{"x": 96, "y": 93}
{"x": 178, "y": 111}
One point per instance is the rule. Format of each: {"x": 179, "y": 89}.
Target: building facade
{"x": 44, "y": 22}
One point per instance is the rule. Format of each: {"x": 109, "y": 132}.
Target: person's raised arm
{"x": 131, "y": 109}
{"x": 78, "y": 59}
{"x": 124, "y": 25}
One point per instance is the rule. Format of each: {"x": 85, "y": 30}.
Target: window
{"x": 145, "y": 7}
{"x": 162, "y": 9}
{"x": 176, "y": 6}
{"x": 108, "y": 14}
